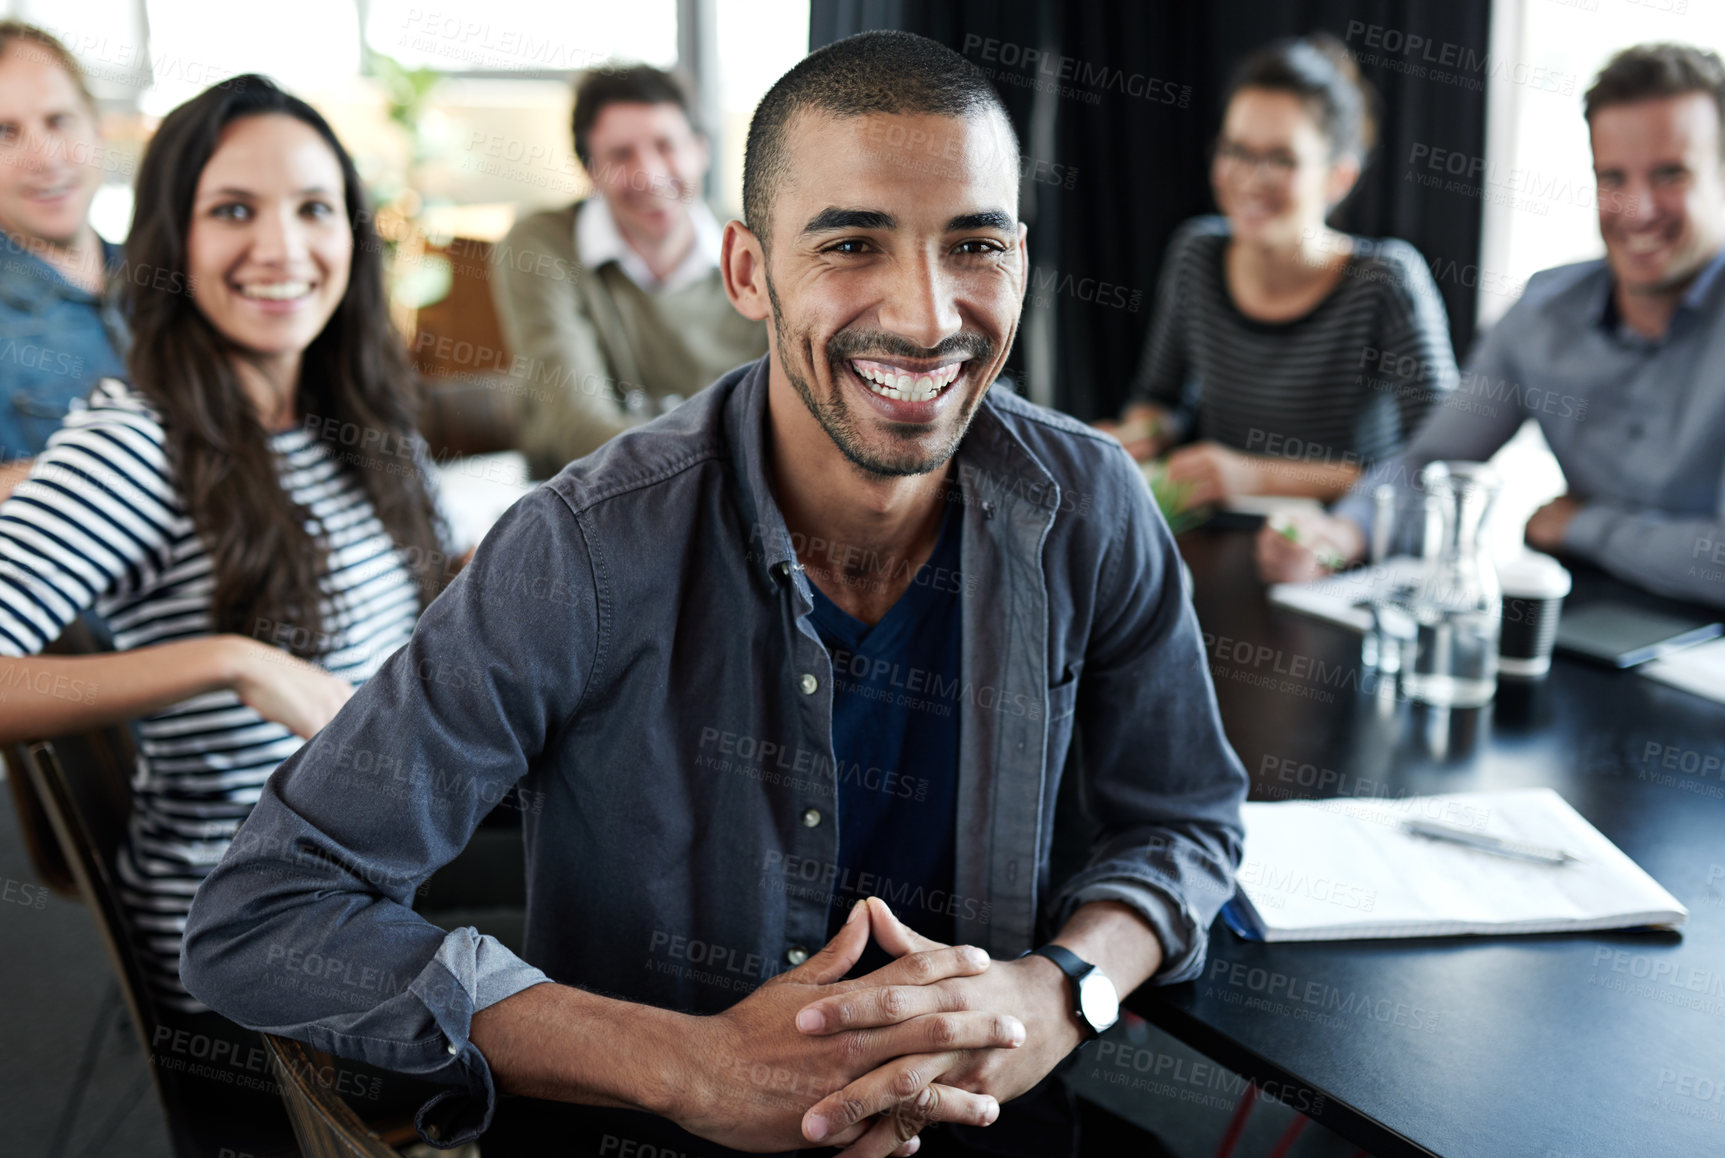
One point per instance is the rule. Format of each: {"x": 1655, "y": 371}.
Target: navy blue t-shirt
{"x": 895, "y": 744}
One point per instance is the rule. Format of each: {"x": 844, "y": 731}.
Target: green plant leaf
{"x": 1171, "y": 498}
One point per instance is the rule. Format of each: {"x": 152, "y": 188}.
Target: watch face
{"x": 1098, "y": 1001}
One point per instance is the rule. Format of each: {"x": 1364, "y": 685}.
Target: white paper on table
{"x": 1699, "y": 670}
{"x": 1337, "y": 598}
{"x": 1268, "y": 505}
{"x": 1345, "y": 869}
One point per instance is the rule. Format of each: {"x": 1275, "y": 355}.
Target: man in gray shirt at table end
{"x": 638, "y": 657}
{"x": 1620, "y": 360}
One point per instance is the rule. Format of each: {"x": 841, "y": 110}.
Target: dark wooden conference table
{"x": 1548, "y": 1046}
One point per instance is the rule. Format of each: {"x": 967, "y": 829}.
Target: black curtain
{"x": 1136, "y": 88}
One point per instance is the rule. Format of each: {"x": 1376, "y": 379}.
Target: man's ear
{"x": 744, "y": 265}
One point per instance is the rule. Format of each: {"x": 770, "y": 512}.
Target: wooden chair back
{"x": 326, "y": 1126}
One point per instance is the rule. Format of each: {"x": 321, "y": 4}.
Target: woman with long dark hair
{"x": 213, "y": 511}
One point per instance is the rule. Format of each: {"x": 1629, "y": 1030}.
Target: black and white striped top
{"x": 100, "y": 524}
{"x": 1346, "y": 383}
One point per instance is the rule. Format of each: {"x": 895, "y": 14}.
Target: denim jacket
{"x": 56, "y": 341}
{"x": 629, "y": 660}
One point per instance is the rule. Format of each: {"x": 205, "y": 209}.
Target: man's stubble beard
{"x": 835, "y": 416}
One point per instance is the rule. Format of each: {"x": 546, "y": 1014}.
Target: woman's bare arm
{"x": 43, "y": 696}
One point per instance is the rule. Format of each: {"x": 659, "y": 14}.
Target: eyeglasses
{"x": 1279, "y": 163}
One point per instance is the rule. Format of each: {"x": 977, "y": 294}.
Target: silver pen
{"x": 1515, "y": 849}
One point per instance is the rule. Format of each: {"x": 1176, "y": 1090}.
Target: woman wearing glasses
{"x": 1284, "y": 354}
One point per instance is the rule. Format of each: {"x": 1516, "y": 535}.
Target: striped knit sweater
{"x": 1345, "y": 384}
{"x": 100, "y": 525}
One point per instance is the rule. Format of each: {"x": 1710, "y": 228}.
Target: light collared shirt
{"x": 598, "y": 240}
{"x": 1636, "y": 423}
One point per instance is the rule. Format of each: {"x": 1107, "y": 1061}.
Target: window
{"x": 310, "y": 46}
{"x": 758, "y": 42}
{"x": 106, "y": 36}
{"x": 522, "y": 36}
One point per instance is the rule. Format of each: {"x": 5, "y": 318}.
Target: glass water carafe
{"x": 1457, "y": 608}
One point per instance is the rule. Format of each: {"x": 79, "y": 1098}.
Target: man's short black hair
{"x": 638, "y": 84}
{"x": 871, "y": 72}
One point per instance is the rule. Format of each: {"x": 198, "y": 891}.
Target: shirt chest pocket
{"x": 1063, "y": 699}
{"x": 1062, "y": 715}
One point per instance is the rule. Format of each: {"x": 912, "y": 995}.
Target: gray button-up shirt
{"x": 629, "y": 660}
{"x": 1638, "y": 425}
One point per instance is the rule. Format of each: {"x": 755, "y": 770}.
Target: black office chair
{"x": 84, "y": 785}
{"x": 46, "y": 859}
{"x": 46, "y": 862}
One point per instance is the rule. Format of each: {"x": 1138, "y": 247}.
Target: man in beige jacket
{"x": 617, "y": 300}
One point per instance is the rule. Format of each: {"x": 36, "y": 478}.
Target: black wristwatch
{"x": 1093, "y": 995}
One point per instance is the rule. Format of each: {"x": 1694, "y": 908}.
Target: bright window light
{"x": 111, "y": 212}
{"x": 759, "y": 41}
{"x": 308, "y": 46}
{"x": 523, "y": 35}
{"x": 105, "y": 35}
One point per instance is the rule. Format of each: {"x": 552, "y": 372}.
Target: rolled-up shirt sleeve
{"x": 306, "y": 927}
{"x": 1161, "y": 776}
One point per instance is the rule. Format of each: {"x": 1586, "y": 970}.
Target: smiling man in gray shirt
{"x": 634, "y": 657}
{"x": 1621, "y": 361}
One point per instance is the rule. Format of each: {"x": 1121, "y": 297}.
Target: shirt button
{"x": 784, "y": 570}
{"x": 809, "y": 683}
{"x": 453, "y": 1051}
{"x": 811, "y": 817}
{"x": 796, "y": 954}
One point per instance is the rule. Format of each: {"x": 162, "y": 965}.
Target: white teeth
{"x": 904, "y": 387}
{"x": 281, "y": 291}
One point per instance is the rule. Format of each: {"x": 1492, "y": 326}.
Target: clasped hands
{"x": 942, "y": 1034}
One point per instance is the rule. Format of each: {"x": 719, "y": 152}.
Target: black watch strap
{"x": 1076, "y": 969}
{"x": 1071, "y": 964}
